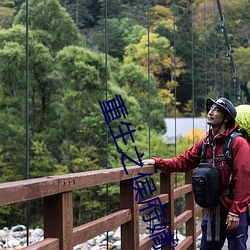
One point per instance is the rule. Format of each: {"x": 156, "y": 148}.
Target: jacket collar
{"x": 221, "y": 136}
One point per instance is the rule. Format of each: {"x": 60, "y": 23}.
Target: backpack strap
{"x": 203, "y": 158}
{"x": 227, "y": 148}
{"x": 217, "y": 207}
{"x": 203, "y": 152}
{"x": 227, "y": 151}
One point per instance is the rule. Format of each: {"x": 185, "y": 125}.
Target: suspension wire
{"x": 229, "y": 83}
{"x": 27, "y": 88}
{"x": 215, "y": 52}
{"x": 106, "y": 82}
{"x": 151, "y": 222}
{"x": 77, "y": 13}
{"x": 27, "y": 206}
{"x": 205, "y": 50}
{"x": 222, "y": 68}
{"x": 223, "y": 80}
{"x": 229, "y": 54}
{"x": 174, "y": 76}
{"x": 223, "y": 76}
{"x": 175, "y": 95}
{"x": 192, "y": 76}
{"x": 149, "y": 121}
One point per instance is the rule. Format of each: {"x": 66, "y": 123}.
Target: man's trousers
{"x": 237, "y": 238}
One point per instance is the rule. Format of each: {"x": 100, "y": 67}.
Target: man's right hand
{"x": 148, "y": 162}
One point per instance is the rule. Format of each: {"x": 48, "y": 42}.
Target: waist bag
{"x": 206, "y": 185}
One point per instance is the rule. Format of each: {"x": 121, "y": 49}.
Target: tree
{"x": 161, "y": 16}
{"x": 79, "y": 75}
{"x": 53, "y": 25}
{"x": 161, "y": 62}
{"x": 161, "y": 57}
{"x": 242, "y": 65}
{"x": 40, "y": 60}
{"x": 6, "y": 17}
{"x": 117, "y": 30}
{"x": 132, "y": 78}
{"x": 42, "y": 163}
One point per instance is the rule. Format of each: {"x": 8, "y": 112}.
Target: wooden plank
{"x": 90, "y": 230}
{"x": 198, "y": 231}
{"x": 146, "y": 243}
{"x": 198, "y": 209}
{"x": 163, "y": 197}
{"x": 24, "y": 190}
{"x": 99, "y": 177}
{"x": 190, "y": 205}
{"x": 185, "y": 244}
{"x": 182, "y": 190}
{"x": 182, "y": 218}
{"x": 129, "y": 230}
{"x": 58, "y": 219}
{"x": 167, "y": 187}
{"x": 46, "y": 244}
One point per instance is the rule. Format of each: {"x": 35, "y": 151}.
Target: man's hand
{"x": 232, "y": 222}
{"x": 148, "y": 162}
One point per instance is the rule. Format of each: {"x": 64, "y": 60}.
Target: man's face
{"x": 215, "y": 116}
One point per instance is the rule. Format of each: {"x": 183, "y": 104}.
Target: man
{"x": 221, "y": 115}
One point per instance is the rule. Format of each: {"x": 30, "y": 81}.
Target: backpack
{"x": 206, "y": 179}
{"x": 243, "y": 120}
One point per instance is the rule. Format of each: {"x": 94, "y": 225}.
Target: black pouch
{"x": 206, "y": 183}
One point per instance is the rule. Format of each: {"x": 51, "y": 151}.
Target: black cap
{"x": 223, "y": 103}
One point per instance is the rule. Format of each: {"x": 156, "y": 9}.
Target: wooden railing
{"x": 56, "y": 192}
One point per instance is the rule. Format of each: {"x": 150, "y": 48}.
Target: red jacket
{"x": 241, "y": 167}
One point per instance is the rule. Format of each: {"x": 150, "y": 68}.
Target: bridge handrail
{"x": 56, "y": 192}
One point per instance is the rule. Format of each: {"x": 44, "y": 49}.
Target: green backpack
{"x": 243, "y": 120}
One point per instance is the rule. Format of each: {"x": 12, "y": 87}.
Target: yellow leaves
{"x": 161, "y": 16}
{"x": 159, "y": 53}
{"x": 188, "y": 107}
{"x": 171, "y": 85}
{"x": 170, "y": 102}
{"x": 179, "y": 69}
{"x": 195, "y": 134}
{"x": 203, "y": 114}
{"x": 166, "y": 96}
{"x": 160, "y": 12}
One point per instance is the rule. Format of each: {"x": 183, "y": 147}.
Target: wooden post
{"x": 129, "y": 230}
{"x": 190, "y": 205}
{"x": 167, "y": 187}
{"x": 58, "y": 219}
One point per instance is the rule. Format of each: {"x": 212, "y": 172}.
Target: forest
{"x": 59, "y": 59}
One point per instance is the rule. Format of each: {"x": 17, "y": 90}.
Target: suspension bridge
{"x": 56, "y": 191}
